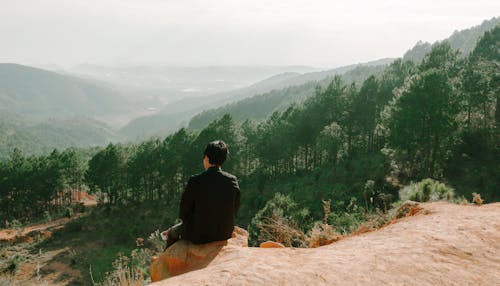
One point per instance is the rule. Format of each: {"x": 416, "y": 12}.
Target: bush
{"x": 15, "y": 224}
{"x": 347, "y": 221}
{"x": 280, "y": 219}
{"x": 427, "y": 190}
{"x": 13, "y": 264}
{"x": 46, "y": 216}
{"x": 68, "y": 212}
{"x": 323, "y": 233}
{"x": 134, "y": 270}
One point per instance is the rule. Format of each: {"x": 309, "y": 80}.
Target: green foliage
{"x": 281, "y": 208}
{"x": 11, "y": 266}
{"x": 46, "y": 216}
{"x": 427, "y": 190}
{"x": 68, "y": 212}
{"x": 423, "y": 120}
{"x": 348, "y": 220}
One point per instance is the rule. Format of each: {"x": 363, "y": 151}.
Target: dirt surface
{"x": 23, "y": 233}
{"x": 442, "y": 244}
{"x": 38, "y": 265}
{"x": 11, "y": 233}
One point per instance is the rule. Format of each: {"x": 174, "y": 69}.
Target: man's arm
{"x": 187, "y": 200}
{"x": 236, "y": 188}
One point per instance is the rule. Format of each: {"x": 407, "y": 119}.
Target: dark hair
{"x": 216, "y": 151}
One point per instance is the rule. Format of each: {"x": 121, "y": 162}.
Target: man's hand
{"x": 164, "y": 234}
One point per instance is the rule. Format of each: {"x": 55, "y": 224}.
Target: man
{"x": 209, "y": 203}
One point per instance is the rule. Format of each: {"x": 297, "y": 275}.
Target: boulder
{"x": 184, "y": 256}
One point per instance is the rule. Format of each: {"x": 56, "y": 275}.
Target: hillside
{"x": 41, "y": 137}
{"x": 260, "y": 106}
{"x": 178, "y": 113}
{"x": 442, "y": 244}
{"x": 41, "y": 94}
{"x": 464, "y": 40}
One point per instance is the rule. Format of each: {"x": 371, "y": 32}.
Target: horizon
{"x": 247, "y": 33}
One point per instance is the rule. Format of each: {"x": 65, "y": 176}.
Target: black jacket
{"x": 209, "y": 206}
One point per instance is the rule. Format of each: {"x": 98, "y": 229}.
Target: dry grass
{"x": 134, "y": 270}
{"x": 123, "y": 274}
{"x": 476, "y": 199}
{"x": 322, "y": 234}
{"x": 283, "y": 231}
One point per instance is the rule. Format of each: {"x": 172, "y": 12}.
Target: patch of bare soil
{"x": 37, "y": 266}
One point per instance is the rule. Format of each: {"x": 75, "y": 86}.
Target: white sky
{"x": 322, "y": 33}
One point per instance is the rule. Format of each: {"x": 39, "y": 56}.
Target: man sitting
{"x": 209, "y": 203}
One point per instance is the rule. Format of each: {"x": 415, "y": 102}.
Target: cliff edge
{"x": 443, "y": 244}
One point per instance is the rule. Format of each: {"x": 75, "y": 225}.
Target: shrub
{"x": 13, "y": 264}
{"x": 427, "y": 190}
{"x": 280, "y": 219}
{"x": 134, "y": 270}
{"x": 46, "y": 216}
{"x": 68, "y": 212}
{"x": 282, "y": 230}
{"x": 347, "y": 221}
{"x": 323, "y": 233}
{"x": 15, "y": 224}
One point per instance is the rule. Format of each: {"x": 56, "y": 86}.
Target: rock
{"x": 184, "y": 256}
{"x": 271, "y": 244}
{"x": 451, "y": 245}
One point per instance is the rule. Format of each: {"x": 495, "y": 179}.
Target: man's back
{"x": 209, "y": 206}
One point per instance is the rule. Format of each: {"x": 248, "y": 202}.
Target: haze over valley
{"x": 128, "y": 103}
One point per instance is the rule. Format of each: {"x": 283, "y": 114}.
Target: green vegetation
{"x": 464, "y": 41}
{"x": 426, "y": 190}
{"x": 35, "y": 138}
{"x": 260, "y": 107}
{"x": 283, "y": 210}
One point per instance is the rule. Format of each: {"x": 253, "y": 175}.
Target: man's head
{"x": 215, "y": 154}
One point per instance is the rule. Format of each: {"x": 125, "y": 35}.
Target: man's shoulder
{"x": 195, "y": 177}
{"x": 228, "y": 175}
{"x": 208, "y": 174}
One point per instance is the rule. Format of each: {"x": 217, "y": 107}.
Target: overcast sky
{"x": 321, "y": 33}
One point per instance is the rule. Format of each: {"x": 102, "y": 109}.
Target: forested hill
{"x": 42, "y": 94}
{"x": 464, "y": 41}
{"x": 263, "y": 105}
{"x": 259, "y": 107}
{"x": 41, "y": 137}
{"x": 41, "y": 110}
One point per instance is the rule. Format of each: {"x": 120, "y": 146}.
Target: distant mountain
{"x": 171, "y": 83}
{"x": 259, "y": 107}
{"x": 464, "y": 40}
{"x": 42, "y": 137}
{"x": 178, "y": 113}
{"x": 40, "y": 94}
